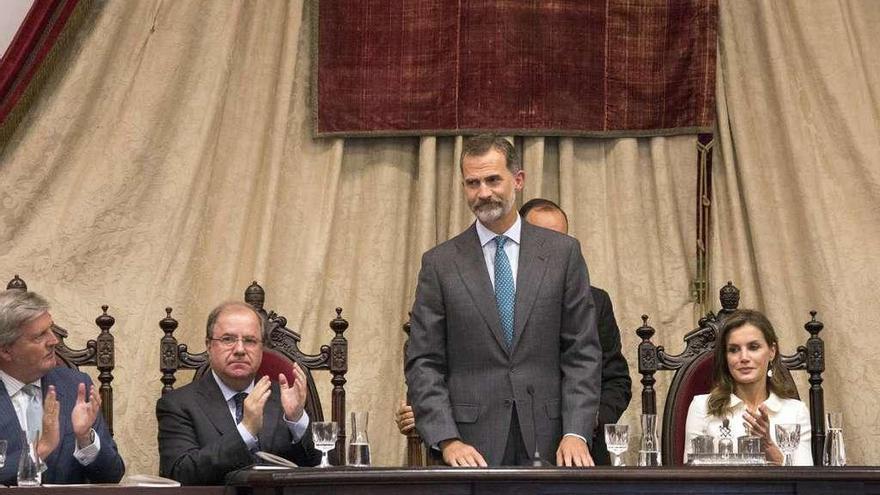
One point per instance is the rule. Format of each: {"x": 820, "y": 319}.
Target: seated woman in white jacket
{"x": 749, "y": 391}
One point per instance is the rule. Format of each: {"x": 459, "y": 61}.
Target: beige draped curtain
{"x": 170, "y": 162}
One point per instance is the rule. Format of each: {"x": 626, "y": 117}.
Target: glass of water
{"x": 325, "y": 434}
{"x": 2, "y": 453}
{"x": 617, "y": 441}
{"x": 359, "y": 443}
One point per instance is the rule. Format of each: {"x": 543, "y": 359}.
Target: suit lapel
{"x": 214, "y": 405}
{"x": 471, "y": 266}
{"x": 530, "y": 274}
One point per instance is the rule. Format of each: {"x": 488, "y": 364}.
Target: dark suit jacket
{"x": 61, "y": 466}
{"x": 463, "y": 380}
{"x": 616, "y": 382}
{"x": 199, "y": 443}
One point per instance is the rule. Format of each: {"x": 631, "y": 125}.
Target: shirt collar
{"x": 513, "y": 233}
{"x": 773, "y": 402}
{"x": 14, "y": 385}
{"x": 227, "y": 392}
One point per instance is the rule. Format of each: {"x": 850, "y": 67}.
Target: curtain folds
{"x": 173, "y": 163}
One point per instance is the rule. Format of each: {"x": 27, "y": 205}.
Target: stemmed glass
{"x": 325, "y": 434}
{"x": 788, "y": 436}
{"x": 617, "y": 441}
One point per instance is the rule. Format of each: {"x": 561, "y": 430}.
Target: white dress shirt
{"x": 85, "y": 455}
{"x": 297, "y": 428}
{"x": 781, "y": 411}
{"x": 487, "y": 240}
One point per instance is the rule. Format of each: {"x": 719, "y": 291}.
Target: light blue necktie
{"x": 34, "y": 411}
{"x": 505, "y": 292}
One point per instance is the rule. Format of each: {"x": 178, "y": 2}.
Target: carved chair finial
{"x": 105, "y": 321}
{"x": 16, "y": 283}
{"x": 729, "y": 296}
{"x": 255, "y": 295}
{"x": 339, "y": 324}
{"x": 645, "y": 331}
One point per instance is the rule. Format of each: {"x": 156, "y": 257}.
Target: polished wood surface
{"x": 599, "y": 480}
{"x": 117, "y": 490}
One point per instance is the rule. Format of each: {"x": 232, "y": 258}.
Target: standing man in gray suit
{"x": 503, "y": 357}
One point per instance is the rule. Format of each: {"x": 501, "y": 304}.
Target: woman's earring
{"x": 769, "y": 372}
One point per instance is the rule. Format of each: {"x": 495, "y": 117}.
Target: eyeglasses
{"x": 231, "y": 340}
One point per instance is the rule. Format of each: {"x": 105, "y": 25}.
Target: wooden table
{"x": 557, "y": 481}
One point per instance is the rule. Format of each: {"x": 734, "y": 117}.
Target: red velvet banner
{"x": 32, "y": 43}
{"x": 549, "y": 67}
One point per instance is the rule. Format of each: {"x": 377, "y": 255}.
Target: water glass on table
{"x": 788, "y": 436}
{"x": 2, "y": 453}
{"x": 834, "y": 452}
{"x": 359, "y": 445}
{"x": 617, "y": 441}
{"x": 649, "y": 447}
{"x": 325, "y": 434}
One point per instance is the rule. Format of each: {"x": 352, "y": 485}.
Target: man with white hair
{"x": 56, "y": 404}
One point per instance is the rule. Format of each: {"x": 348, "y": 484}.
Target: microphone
{"x": 536, "y": 457}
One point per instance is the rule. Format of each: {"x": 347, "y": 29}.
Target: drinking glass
{"x": 788, "y": 436}
{"x": 649, "y": 447}
{"x": 325, "y": 434}
{"x": 359, "y": 445}
{"x": 2, "y": 453}
{"x": 834, "y": 453}
{"x": 617, "y": 440}
{"x": 29, "y": 464}
{"x": 749, "y": 448}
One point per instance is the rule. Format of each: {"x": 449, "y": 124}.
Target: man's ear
{"x": 5, "y": 354}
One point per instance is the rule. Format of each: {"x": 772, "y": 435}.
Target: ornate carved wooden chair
{"x": 693, "y": 375}
{"x": 98, "y": 352}
{"x": 281, "y": 349}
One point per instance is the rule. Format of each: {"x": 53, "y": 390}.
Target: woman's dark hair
{"x": 722, "y": 381}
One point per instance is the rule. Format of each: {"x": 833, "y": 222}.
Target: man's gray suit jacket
{"x": 463, "y": 380}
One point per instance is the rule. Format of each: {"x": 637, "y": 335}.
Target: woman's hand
{"x": 759, "y": 424}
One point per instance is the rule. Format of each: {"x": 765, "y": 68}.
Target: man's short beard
{"x": 491, "y": 211}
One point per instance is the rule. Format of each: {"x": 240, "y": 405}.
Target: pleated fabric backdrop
{"x": 170, "y": 161}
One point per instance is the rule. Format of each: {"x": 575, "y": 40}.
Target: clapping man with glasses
{"x": 215, "y": 424}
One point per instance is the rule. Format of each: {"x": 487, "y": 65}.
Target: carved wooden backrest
{"x": 691, "y": 366}
{"x": 282, "y": 345}
{"x": 98, "y": 352}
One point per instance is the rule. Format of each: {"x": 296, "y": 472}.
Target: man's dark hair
{"x": 482, "y": 144}
{"x": 540, "y": 204}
